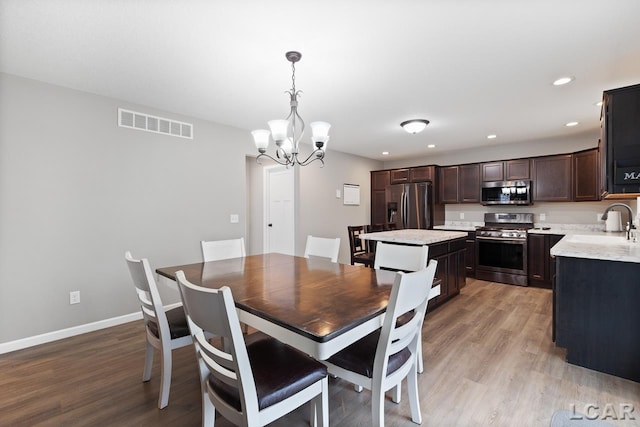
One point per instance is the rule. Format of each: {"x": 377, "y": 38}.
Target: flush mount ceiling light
{"x": 414, "y": 126}
{"x": 563, "y": 81}
{"x": 287, "y": 133}
{"x": 492, "y": 136}
{"x": 431, "y": 146}
{"x": 385, "y": 153}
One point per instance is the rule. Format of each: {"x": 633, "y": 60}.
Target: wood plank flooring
{"x": 489, "y": 361}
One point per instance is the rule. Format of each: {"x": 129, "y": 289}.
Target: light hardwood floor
{"x": 489, "y": 361}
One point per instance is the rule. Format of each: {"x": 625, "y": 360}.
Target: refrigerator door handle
{"x": 403, "y": 203}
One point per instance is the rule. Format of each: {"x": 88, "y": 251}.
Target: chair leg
{"x": 148, "y": 363}
{"x": 414, "y": 401}
{"x": 419, "y": 355}
{"x": 357, "y": 388}
{"x": 396, "y": 396}
{"x": 377, "y": 406}
{"x": 320, "y": 407}
{"x": 165, "y": 380}
{"x": 208, "y": 411}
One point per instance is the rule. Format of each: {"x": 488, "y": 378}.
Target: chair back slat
{"x": 215, "y": 250}
{"x": 401, "y": 257}
{"x": 322, "y": 247}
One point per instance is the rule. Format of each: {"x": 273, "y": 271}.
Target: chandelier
{"x": 287, "y": 133}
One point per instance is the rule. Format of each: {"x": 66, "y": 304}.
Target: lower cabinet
{"x": 540, "y": 268}
{"x": 470, "y": 255}
{"x": 451, "y": 268}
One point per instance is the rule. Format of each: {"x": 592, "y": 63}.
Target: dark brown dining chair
{"x": 360, "y": 252}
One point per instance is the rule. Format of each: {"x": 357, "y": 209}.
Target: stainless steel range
{"x": 501, "y": 248}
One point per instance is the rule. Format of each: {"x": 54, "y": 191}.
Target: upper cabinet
{"x": 449, "y": 177}
{"x": 552, "y": 178}
{"x": 469, "y": 184}
{"x": 508, "y": 170}
{"x": 586, "y": 176}
{"x": 380, "y": 180}
{"x": 399, "y": 176}
{"x": 621, "y": 140}
{"x": 422, "y": 173}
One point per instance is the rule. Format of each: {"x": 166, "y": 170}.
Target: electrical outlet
{"x": 543, "y": 217}
{"x": 234, "y": 218}
{"x": 74, "y": 297}
{"x": 461, "y": 215}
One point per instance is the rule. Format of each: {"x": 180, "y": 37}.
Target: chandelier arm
{"x": 274, "y": 159}
{"x": 319, "y": 155}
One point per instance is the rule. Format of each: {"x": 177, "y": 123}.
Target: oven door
{"x": 501, "y": 255}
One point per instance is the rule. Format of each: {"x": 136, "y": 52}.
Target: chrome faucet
{"x": 630, "y": 225}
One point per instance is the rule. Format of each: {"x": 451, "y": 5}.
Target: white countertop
{"x": 414, "y": 236}
{"x": 455, "y": 227}
{"x": 597, "y": 245}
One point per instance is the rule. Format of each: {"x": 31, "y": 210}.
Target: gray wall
{"x": 76, "y": 191}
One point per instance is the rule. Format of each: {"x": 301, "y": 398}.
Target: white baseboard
{"x": 20, "y": 344}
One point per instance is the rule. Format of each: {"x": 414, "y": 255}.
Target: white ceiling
{"x": 471, "y": 67}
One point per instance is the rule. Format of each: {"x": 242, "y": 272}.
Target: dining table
{"x": 312, "y": 304}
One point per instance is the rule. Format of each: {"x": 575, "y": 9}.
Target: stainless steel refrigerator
{"x": 412, "y": 206}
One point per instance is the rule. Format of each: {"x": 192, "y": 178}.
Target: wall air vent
{"x": 134, "y": 120}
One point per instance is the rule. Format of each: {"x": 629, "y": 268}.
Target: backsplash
{"x": 570, "y": 216}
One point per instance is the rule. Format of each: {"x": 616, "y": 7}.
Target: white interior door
{"x": 279, "y": 211}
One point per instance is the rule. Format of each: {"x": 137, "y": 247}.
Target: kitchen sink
{"x": 598, "y": 240}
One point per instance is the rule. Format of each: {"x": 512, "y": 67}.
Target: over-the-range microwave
{"x": 506, "y": 193}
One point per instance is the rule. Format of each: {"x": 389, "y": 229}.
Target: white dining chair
{"x": 249, "y": 383}
{"x": 403, "y": 258}
{"x": 322, "y": 247}
{"x": 164, "y": 330}
{"x": 214, "y": 250}
{"x": 383, "y": 359}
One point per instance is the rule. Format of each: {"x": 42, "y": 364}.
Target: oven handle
{"x": 502, "y": 239}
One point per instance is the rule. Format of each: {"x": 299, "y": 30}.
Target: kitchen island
{"x": 597, "y": 295}
{"x": 447, "y": 247}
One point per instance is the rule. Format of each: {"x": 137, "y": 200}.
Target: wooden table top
{"x": 313, "y": 297}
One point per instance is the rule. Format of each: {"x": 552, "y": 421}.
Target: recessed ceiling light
{"x": 492, "y": 136}
{"x": 598, "y": 104}
{"x": 563, "y": 81}
{"x": 431, "y": 146}
{"x": 385, "y": 153}
{"x": 570, "y": 124}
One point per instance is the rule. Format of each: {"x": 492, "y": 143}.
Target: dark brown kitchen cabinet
{"x": 469, "y": 191}
{"x": 379, "y": 182}
{"x": 552, "y": 178}
{"x": 508, "y": 170}
{"x": 493, "y": 171}
{"x": 449, "y": 177}
{"x": 541, "y": 267}
{"x": 451, "y": 267}
{"x": 422, "y": 173}
{"x": 399, "y": 176}
{"x": 470, "y": 255}
{"x": 517, "y": 169}
{"x": 586, "y": 176}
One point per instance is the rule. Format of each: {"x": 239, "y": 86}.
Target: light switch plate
{"x": 461, "y": 215}
{"x": 338, "y": 194}
{"x": 543, "y": 217}
{"x": 234, "y": 218}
